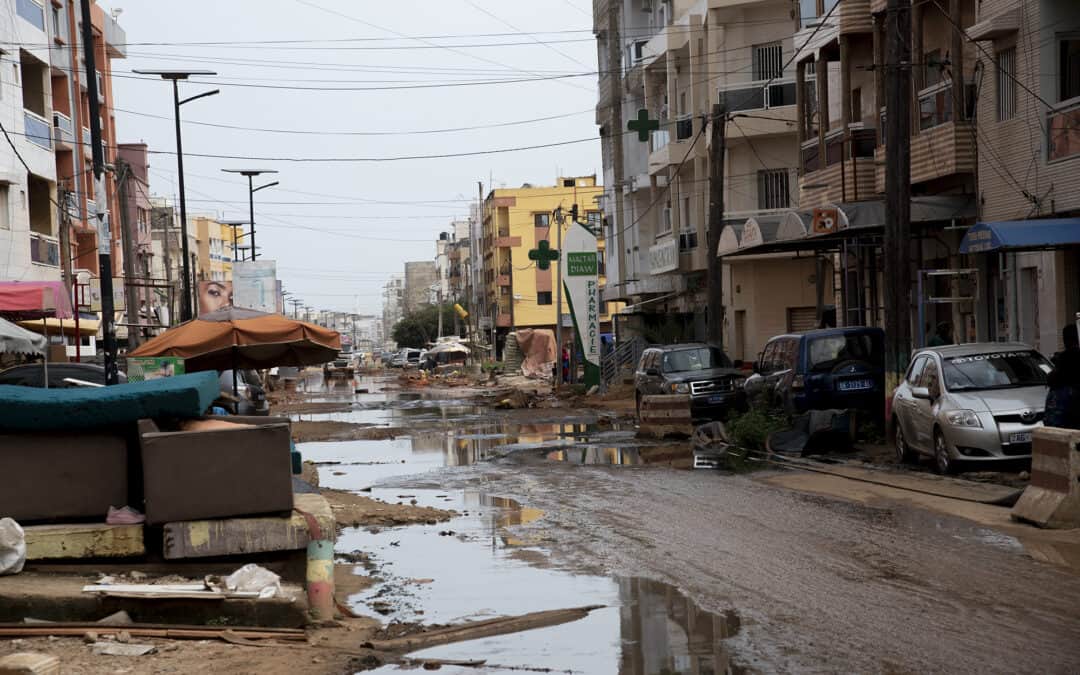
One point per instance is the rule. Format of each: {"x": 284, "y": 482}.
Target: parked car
{"x": 702, "y": 371}
{"x": 61, "y": 375}
{"x": 342, "y": 366}
{"x": 249, "y": 392}
{"x": 822, "y": 369}
{"x": 407, "y": 358}
{"x": 970, "y": 402}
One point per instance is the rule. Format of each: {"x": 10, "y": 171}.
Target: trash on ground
{"x": 12, "y": 547}
{"x": 122, "y": 649}
{"x": 254, "y": 579}
{"x": 816, "y": 429}
{"x": 124, "y": 515}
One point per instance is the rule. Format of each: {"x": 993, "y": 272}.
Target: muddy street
{"x": 695, "y": 571}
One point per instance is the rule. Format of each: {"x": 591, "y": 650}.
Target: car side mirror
{"x": 652, "y": 372}
{"x": 921, "y": 392}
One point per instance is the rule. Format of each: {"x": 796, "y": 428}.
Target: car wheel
{"x": 904, "y": 455}
{"x": 942, "y": 462}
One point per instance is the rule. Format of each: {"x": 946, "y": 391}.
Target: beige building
{"x": 1028, "y": 117}
{"x": 676, "y": 61}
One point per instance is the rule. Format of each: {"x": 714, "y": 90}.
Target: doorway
{"x": 1029, "y": 306}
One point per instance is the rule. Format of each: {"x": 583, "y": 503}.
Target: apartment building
{"x": 421, "y": 285}
{"x": 675, "y": 61}
{"x": 516, "y": 291}
{"x": 133, "y": 166}
{"x": 1027, "y": 247}
{"x": 459, "y": 261}
{"x": 44, "y": 107}
{"x": 393, "y": 305}
{"x": 167, "y": 258}
{"x": 215, "y": 248}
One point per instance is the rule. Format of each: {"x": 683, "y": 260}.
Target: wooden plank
{"x": 239, "y": 536}
{"x": 56, "y": 542}
{"x": 177, "y": 632}
{"x": 165, "y": 592}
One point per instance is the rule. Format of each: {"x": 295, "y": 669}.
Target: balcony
{"x": 44, "y": 250}
{"x": 847, "y": 173}
{"x": 37, "y": 129}
{"x": 758, "y": 95}
{"x": 855, "y": 17}
{"x": 87, "y": 146}
{"x": 63, "y": 131}
{"x": 940, "y": 151}
{"x": 32, "y": 11}
{"x": 1063, "y": 132}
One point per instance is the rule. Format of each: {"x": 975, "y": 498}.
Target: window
{"x": 773, "y": 189}
{"x": 1069, "y": 76}
{"x": 665, "y": 220}
{"x": 1006, "y": 85}
{"x": 687, "y": 230}
{"x": 916, "y": 371}
{"x": 594, "y": 220}
{"x": 768, "y": 61}
{"x": 543, "y": 297}
{"x": 542, "y": 219}
{"x": 932, "y": 68}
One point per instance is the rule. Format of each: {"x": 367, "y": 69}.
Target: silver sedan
{"x": 970, "y": 402}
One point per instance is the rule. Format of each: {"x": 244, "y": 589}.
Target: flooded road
{"x": 697, "y": 571}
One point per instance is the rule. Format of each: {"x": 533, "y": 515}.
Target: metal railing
{"x": 758, "y": 95}
{"x": 1063, "y": 132}
{"x": 622, "y": 360}
{"x": 44, "y": 250}
{"x": 38, "y": 130}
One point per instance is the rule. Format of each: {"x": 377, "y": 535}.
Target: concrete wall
{"x": 420, "y": 276}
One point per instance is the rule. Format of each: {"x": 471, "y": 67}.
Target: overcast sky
{"x": 338, "y": 230}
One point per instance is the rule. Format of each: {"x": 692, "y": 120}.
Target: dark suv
{"x": 703, "y": 372}
{"x": 822, "y": 369}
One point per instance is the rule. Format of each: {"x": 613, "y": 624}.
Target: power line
{"x": 513, "y": 27}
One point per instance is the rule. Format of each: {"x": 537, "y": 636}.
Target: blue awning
{"x": 1021, "y": 235}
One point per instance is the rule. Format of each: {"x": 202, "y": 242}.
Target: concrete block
{"x": 30, "y": 663}
{"x": 238, "y": 536}
{"x": 1053, "y": 497}
{"x": 57, "y": 542}
{"x": 666, "y": 415}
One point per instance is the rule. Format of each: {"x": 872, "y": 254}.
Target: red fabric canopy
{"x": 35, "y": 299}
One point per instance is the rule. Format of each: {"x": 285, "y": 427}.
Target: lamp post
{"x": 235, "y": 225}
{"x": 251, "y": 173}
{"x": 175, "y": 76}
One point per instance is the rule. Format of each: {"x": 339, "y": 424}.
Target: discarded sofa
{"x": 215, "y": 469}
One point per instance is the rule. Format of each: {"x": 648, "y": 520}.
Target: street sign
{"x": 582, "y": 284}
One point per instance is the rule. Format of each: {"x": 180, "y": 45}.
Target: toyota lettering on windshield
{"x": 996, "y": 370}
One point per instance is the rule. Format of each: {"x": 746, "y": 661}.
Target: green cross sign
{"x": 543, "y": 254}
{"x": 643, "y": 125}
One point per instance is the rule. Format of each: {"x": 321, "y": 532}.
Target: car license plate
{"x": 1020, "y": 437}
{"x": 716, "y": 398}
{"x": 856, "y": 385}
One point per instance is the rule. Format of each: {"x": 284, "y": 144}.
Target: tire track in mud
{"x": 824, "y": 585}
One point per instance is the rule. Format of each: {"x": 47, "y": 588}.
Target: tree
{"x": 421, "y": 327}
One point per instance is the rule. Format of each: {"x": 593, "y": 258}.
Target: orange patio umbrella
{"x": 244, "y": 338}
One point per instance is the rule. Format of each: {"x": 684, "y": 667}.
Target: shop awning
{"x": 34, "y": 299}
{"x": 1021, "y": 235}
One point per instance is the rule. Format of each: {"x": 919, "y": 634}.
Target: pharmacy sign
{"x": 580, "y": 277}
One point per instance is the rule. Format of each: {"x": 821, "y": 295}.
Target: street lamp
{"x": 176, "y": 76}
{"x": 251, "y": 173}
{"x": 234, "y": 224}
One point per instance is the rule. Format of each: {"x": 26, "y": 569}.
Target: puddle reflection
{"x": 475, "y": 572}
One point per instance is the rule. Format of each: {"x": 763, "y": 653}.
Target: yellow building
{"x": 215, "y": 251}
{"x": 517, "y": 294}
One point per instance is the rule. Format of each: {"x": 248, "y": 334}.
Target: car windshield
{"x": 825, "y": 353}
{"x": 702, "y": 358}
{"x": 996, "y": 370}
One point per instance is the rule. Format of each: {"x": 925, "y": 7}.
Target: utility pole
{"x": 63, "y": 196}
{"x": 897, "y": 241}
{"x": 163, "y": 216}
{"x": 123, "y": 174}
{"x": 559, "y": 218}
{"x": 296, "y": 308}
{"x": 714, "y": 269}
{"x": 614, "y": 45}
{"x": 108, "y": 316}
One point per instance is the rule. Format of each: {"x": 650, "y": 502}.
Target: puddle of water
{"x": 479, "y": 572}
{"x": 612, "y": 456}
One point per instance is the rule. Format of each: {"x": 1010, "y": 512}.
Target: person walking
{"x": 1063, "y": 382}
{"x": 942, "y": 335}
